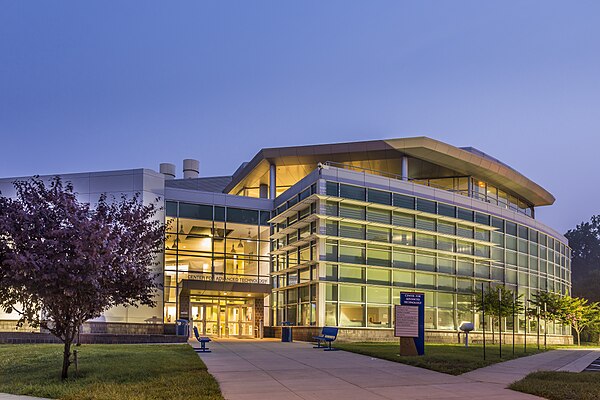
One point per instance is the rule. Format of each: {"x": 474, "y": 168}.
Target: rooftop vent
{"x": 168, "y": 170}
{"x": 191, "y": 168}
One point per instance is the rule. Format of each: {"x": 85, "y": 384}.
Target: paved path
{"x": 4, "y": 396}
{"x": 572, "y": 360}
{"x": 266, "y": 369}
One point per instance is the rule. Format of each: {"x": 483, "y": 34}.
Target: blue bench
{"x": 203, "y": 340}
{"x": 328, "y": 335}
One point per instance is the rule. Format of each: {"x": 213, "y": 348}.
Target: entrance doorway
{"x": 224, "y": 317}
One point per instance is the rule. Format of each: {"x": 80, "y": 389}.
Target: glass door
{"x": 198, "y": 318}
{"x": 247, "y": 321}
{"x": 233, "y": 320}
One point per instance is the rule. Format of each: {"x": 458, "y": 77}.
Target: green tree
{"x": 584, "y": 241}
{"x": 498, "y": 303}
{"x": 578, "y": 314}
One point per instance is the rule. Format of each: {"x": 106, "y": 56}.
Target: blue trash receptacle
{"x": 181, "y": 327}
{"x": 286, "y": 332}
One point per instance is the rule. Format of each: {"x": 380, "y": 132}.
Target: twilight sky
{"x": 101, "y": 85}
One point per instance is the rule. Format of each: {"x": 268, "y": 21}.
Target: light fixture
{"x": 249, "y": 239}
{"x": 240, "y": 244}
{"x": 232, "y": 249}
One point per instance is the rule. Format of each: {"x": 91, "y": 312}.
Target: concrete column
{"x": 263, "y": 191}
{"x": 404, "y": 168}
{"x": 272, "y": 181}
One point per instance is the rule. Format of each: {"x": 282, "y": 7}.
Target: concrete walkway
{"x": 505, "y": 373}
{"x": 4, "y": 396}
{"x": 268, "y": 369}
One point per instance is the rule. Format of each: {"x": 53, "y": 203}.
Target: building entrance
{"x": 223, "y": 317}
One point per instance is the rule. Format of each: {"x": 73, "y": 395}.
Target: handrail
{"x": 391, "y": 175}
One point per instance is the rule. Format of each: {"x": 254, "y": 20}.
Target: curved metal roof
{"x": 466, "y": 161}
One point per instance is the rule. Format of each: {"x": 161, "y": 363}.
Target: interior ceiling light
{"x": 248, "y": 236}
{"x": 240, "y": 244}
{"x": 232, "y": 249}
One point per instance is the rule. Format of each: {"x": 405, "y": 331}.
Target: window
{"x": 352, "y": 254}
{"x": 351, "y": 293}
{"x": 426, "y": 206}
{"x": 351, "y": 274}
{"x": 379, "y": 196}
{"x": 403, "y": 201}
{"x": 352, "y": 192}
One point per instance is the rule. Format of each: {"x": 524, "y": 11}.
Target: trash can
{"x": 286, "y": 332}
{"x": 181, "y": 327}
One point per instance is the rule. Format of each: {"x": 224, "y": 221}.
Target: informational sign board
{"x": 407, "y": 321}
{"x": 416, "y": 301}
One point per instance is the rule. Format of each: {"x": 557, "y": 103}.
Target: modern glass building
{"x": 331, "y": 234}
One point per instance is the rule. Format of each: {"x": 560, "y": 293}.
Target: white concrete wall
{"x": 89, "y": 187}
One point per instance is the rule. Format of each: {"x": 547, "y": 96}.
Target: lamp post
{"x": 538, "y": 325}
{"x": 513, "y": 321}
{"x": 526, "y": 323}
{"x": 483, "y": 317}
{"x": 500, "y": 318}
{"x": 545, "y": 325}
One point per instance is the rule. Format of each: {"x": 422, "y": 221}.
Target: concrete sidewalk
{"x": 268, "y": 369}
{"x": 4, "y": 396}
{"x": 572, "y": 360}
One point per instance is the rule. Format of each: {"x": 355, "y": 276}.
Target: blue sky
{"x": 100, "y": 85}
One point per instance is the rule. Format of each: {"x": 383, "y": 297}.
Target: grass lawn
{"x": 452, "y": 359}
{"x": 120, "y": 372}
{"x": 561, "y": 385}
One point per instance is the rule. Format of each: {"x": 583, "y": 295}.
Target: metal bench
{"x": 203, "y": 340}
{"x": 328, "y": 335}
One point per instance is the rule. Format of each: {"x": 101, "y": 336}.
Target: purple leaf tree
{"x": 63, "y": 262}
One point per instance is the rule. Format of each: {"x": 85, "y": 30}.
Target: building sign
{"x": 407, "y": 321}
{"x": 415, "y": 301}
{"x": 230, "y": 278}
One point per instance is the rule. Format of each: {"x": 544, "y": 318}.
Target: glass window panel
{"x": 378, "y": 276}
{"x": 331, "y": 189}
{"x": 447, "y": 210}
{"x": 352, "y": 315}
{"x": 351, "y": 293}
{"x": 448, "y": 228}
{"x": 378, "y": 316}
{"x": 465, "y": 267}
{"x": 351, "y": 254}
{"x": 425, "y": 262}
{"x": 354, "y": 231}
{"x": 352, "y": 192}
{"x": 427, "y": 241}
{"x": 424, "y": 223}
{"x": 401, "y": 219}
{"x": 404, "y": 278}
{"x": 378, "y": 234}
{"x": 352, "y": 211}
{"x": 404, "y": 260}
{"x": 425, "y": 281}
{"x": 242, "y": 216}
{"x": 378, "y": 257}
{"x": 445, "y": 244}
{"x": 379, "y": 196}
{"x": 464, "y": 285}
{"x": 403, "y": 201}
{"x": 446, "y": 265}
{"x": 403, "y": 237}
{"x": 446, "y": 283}
{"x": 195, "y": 211}
{"x": 426, "y": 206}
{"x": 331, "y": 314}
{"x": 378, "y": 295}
{"x": 351, "y": 274}
{"x": 382, "y": 216}
{"x": 467, "y": 215}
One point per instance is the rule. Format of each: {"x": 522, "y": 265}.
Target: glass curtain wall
{"x": 375, "y": 246}
{"x": 212, "y": 243}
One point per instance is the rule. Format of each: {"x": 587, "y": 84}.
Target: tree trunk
{"x": 578, "y": 338}
{"x": 66, "y": 360}
{"x": 493, "y": 334}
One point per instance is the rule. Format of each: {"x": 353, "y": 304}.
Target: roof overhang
{"x": 424, "y": 148}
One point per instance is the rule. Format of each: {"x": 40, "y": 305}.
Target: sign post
{"x": 409, "y": 323}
